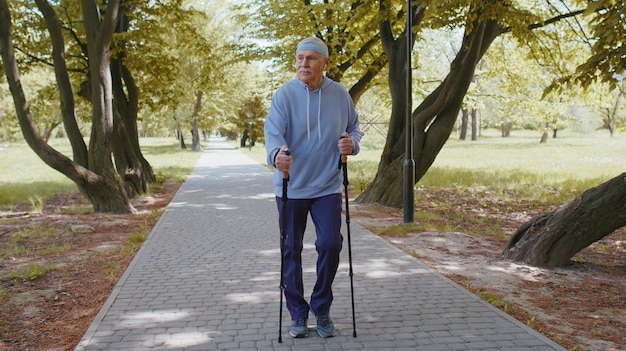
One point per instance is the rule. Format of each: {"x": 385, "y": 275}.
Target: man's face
{"x": 310, "y": 66}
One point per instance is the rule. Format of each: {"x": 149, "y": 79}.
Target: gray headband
{"x": 314, "y": 44}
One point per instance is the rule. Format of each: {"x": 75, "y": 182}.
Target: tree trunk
{"x": 181, "y": 138}
{"x": 474, "y": 125}
{"x": 195, "y": 133}
{"x": 506, "y": 129}
{"x": 550, "y": 240}
{"x": 66, "y": 94}
{"x": 464, "y": 123}
{"x": 434, "y": 118}
{"x": 386, "y": 187}
{"x": 611, "y": 113}
{"x": 244, "y": 138}
{"x": 130, "y": 163}
{"x": 99, "y": 32}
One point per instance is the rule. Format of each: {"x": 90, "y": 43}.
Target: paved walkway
{"x": 207, "y": 278}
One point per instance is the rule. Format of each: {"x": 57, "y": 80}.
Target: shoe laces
{"x": 299, "y": 322}
{"x": 324, "y": 320}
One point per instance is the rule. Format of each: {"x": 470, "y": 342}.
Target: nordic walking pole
{"x": 283, "y": 236}
{"x": 344, "y": 164}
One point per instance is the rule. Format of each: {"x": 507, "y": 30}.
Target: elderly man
{"x": 311, "y": 123}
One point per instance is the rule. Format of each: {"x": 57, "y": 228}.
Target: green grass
{"x": 517, "y": 166}
{"x": 37, "y": 233}
{"x": 570, "y": 155}
{"x": 31, "y": 271}
{"x": 24, "y": 178}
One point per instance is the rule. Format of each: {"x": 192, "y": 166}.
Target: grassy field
{"x": 552, "y": 172}
{"x": 25, "y": 178}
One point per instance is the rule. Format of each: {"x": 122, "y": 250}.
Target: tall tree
{"x": 251, "y": 119}
{"x": 133, "y": 55}
{"x": 435, "y": 117}
{"x": 551, "y": 239}
{"x": 95, "y": 175}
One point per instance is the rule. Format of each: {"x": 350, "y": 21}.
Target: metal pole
{"x": 409, "y": 162}
{"x": 283, "y": 236}
{"x": 344, "y": 163}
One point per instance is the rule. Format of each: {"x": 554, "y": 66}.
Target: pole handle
{"x": 344, "y": 158}
{"x": 286, "y": 174}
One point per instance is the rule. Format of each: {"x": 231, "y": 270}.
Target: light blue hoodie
{"x": 310, "y": 123}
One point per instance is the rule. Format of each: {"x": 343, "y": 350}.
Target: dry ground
{"x": 81, "y": 256}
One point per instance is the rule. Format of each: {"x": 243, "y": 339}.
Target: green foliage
{"x": 55, "y": 249}
{"x": 605, "y": 27}
{"x": 114, "y": 270}
{"x": 608, "y": 26}
{"x": 139, "y": 236}
{"x": 352, "y": 36}
{"x": 398, "y": 230}
{"x": 496, "y": 301}
{"x": 31, "y": 271}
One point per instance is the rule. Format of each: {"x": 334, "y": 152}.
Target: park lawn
{"x": 24, "y": 177}
{"x": 565, "y": 166}
{"x": 555, "y": 171}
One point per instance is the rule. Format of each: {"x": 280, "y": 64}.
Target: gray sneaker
{"x": 298, "y": 328}
{"x": 325, "y": 326}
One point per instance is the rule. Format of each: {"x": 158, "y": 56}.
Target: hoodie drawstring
{"x": 319, "y": 113}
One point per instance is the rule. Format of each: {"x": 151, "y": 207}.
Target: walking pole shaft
{"x": 344, "y": 163}
{"x": 283, "y": 236}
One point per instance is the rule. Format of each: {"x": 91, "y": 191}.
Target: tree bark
{"x": 99, "y": 32}
{"x": 550, "y": 240}
{"x": 474, "y": 125}
{"x": 79, "y": 148}
{"x": 383, "y": 188}
{"x": 181, "y": 138}
{"x": 130, "y": 163}
{"x": 464, "y": 123}
{"x": 434, "y": 118}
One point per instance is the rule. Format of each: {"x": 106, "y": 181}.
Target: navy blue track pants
{"x": 326, "y": 215}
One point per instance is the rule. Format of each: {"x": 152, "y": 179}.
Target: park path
{"x": 207, "y": 278}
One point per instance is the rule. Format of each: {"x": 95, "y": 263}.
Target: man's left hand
{"x": 345, "y": 144}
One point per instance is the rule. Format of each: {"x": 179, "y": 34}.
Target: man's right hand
{"x": 283, "y": 160}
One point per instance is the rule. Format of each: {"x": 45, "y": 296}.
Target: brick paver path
{"x": 207, "y": 278}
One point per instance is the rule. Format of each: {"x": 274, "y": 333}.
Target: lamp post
{"x": 409, "y": 162}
